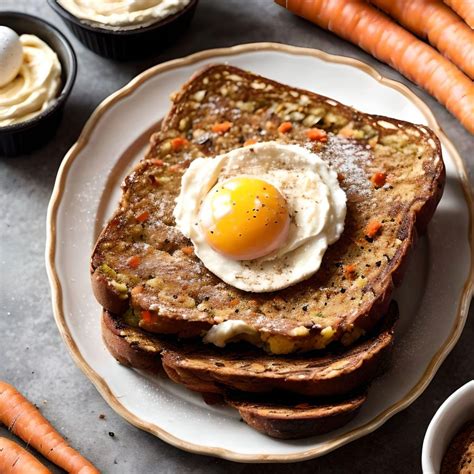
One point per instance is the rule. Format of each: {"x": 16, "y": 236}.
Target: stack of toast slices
{"x": 321, "y": 341}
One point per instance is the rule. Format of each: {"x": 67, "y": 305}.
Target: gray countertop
{"x": 32, "y": 354}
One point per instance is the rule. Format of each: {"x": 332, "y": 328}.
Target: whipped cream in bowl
{"x": 37, "y": 77}
{"x": 35, "y": 86}
{"x": 123, "y": 14}
{"x": 126, "y": 29}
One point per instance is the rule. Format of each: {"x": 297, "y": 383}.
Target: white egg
{"x": 316, "y": 205}
{"x": 11, "y": 55}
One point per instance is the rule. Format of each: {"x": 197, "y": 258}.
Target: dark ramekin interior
{"x": 126, "y": 44}
{"x": 25, "y": 136}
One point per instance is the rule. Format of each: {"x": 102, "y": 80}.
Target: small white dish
{"x": 448, "y": 420}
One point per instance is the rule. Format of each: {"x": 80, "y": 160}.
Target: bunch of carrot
{"x": 25, "y": 421}
{"x": 445, "y": 69}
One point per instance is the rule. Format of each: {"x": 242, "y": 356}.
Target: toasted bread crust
{"x": 291, "y": 417}
{"x": 296, "y": 420}
{"x": 409, "y": 154}
{"x": 210, "y": 370}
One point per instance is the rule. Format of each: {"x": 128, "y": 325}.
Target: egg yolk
{"x": 245, "y": 218}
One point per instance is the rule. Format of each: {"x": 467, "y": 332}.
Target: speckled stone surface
{"x": 32, "y": 354}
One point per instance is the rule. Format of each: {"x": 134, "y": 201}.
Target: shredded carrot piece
{"x": 233, "y": 302}
{"x": 285, "y": 127}
{"x": 133, "y": 261}
{"x": 143, "y": 216}
{"x": 250, "y": 141}
{"x": 221, "y": 127}
{"x": 148, "y": 316}
{"x": 187, "y": 250}
{"x": 316, "y": 134}
{"x": 157, "y": 162}
{"x": 178, "y": 143}
{"x": 350, "y": 271}
{"x": 378, "y": 179}
{"x": 373, "y": 228}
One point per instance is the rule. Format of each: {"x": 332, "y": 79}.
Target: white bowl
{"x": 448, "y": 420}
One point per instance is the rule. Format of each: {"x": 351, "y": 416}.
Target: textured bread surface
{"x": 207, "y": 369}
{"x": 459, "y": 457}
{"x": 170, "y": 283}
{"x": 293, "y": 419}
{"x": 278, "y": 414}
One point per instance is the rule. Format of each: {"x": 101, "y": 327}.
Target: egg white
{"x": 316, "y": 203}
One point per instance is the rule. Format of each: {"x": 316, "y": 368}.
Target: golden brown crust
{"x": 409, "y": 154}
{"x": 106, "y": 295}
{"x": 281, "y": 416}
{"x": 295, "y": 419}
{"x": 459, "y": 457}
{"x": 204, "y": 368}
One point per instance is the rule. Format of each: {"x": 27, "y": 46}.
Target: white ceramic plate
{"x": 433, "y": 300}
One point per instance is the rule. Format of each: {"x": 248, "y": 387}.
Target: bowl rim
{"x": 436, "y": 422}
{"x": 66, "y": 15}
{"x": 70, "y": 78}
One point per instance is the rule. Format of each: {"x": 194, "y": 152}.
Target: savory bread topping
{"x": 35, "y": 85}
{"x": 123, "y": 13}
{"x": 261, "y": 217}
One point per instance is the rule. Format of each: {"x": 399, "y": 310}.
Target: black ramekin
{"x": 23, "y": 137}
{"x": 126, "y": 44}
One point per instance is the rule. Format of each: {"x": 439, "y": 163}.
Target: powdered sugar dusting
{"x": 350, "y": 159}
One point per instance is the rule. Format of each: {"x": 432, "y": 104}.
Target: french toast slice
{"x": 293, "y": 419}
{"x": 393, "y": 175}
{"x": 207, "y": 369}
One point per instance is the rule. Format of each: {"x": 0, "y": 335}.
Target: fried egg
{"x": 261, "y": 217}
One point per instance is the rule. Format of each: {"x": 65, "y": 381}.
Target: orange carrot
{"x": 373, "y": 228}
{"x": 221, "y": 127}
{"x": 143, "y": 216}
{"x": 157, "y": 162}
{"x": 434, "y": 21}
{"x": 369, "y": 28}
{"x": 178, "y": 143}
{"x": 24, "y": 420}
{"x": 134, "y": 261}
{"x": 464, "y": 9}
{"x": 148, "y": 317}
{"x": 317, "y": 135}
{"x": 378, "y": 179}
{"x": 16, "y": 460}
{"x": 350, "y": 271}
{"x": 250, "y": 141}
{"x": 285, "y": 127}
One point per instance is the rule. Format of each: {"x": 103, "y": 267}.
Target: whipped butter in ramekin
{"x": 36, "y": 85}
{"x": 120, "y": 14}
